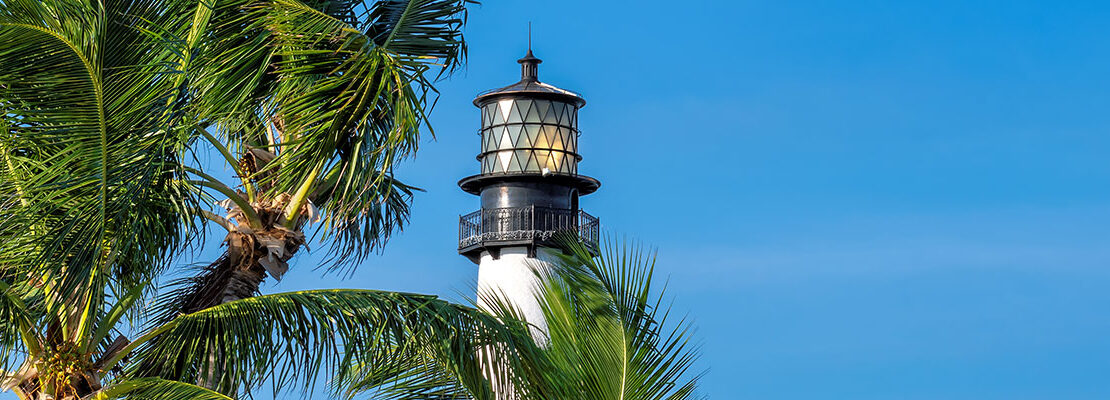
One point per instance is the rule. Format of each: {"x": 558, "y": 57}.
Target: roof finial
{"x": 529, "y": 65}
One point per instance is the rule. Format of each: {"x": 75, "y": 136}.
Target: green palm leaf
{"x": 18, "y": 336}
{"x": 291, "y": 338}
{"x": 336, "y": 89}
{"x": 355, "y": 105}
{"x": 92, "y": 149}
{"x": 607, "y": 334}
{"x": 157, "y": 389}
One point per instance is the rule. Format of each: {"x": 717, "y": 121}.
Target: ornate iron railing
{"x": 530, "y": 223}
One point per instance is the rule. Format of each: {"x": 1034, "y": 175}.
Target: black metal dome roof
{"x": 530, "y": 85}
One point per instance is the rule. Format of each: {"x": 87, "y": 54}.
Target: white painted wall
{"x": 513, "y": 277}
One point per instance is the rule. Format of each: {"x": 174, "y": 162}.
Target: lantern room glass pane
{"x": 506, "y": 140}
{"x": 497, "y": 116}
{"x": 504, "y": 158}
{"x": 520, "y": 159}
{"x": 532, "y": 164}
{"x": 541, "y": 159}
{"x": 543, "y": 138}
{"x": 550, "y": 116}
{"x": 519, "y": 138}
{"x": 489, "y": 141}
{"x": 554, "y": 137}
{"x": 544, "y": 109}
{"x": 514, "y": 112}
{"x": 531, "y": 111}
{"x": 533, "y": 134}
{"x": 504, "y": 109}
{"x": 494, "y": 139}
{"x": 554, "y": 161}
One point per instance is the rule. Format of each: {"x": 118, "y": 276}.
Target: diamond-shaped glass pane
{"x": 553, "y": 161}
{"x": 531, "y": 112}
{"x": 543, "y": 107}
{"x": 520, "y": 158}
{"x": 496, "y": 116}
{"x": 488, "y": 163}
{"x": 519, "y": 138}
{"x": 570, "y": 138}
{"x": 536, "y": 136}
{"x": 553, "y": 115}
{"x": 506, "y": 140}
{"x": 542, "y": 158}
{"x": 514, "y": 116}
{"x": 549, "y": 114}
{"x": 532, "y": 165}
{"x": 504, "y": 159}
{"x": 489, "y": 141}
{"x": 554, "y": 138}
{"x": 505, "y": 110}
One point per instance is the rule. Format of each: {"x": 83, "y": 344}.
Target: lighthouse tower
{"x": 529, "y": 187}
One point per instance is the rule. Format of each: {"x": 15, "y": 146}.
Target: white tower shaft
{"x": 516, "y": 279}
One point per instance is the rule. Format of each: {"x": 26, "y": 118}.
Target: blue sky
{"x": 853, "y": 200}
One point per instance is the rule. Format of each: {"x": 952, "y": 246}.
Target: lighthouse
{"x": 529, "y": 187}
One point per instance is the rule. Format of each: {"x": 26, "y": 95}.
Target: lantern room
{"x": 530, "y": 126}
{"x": 528, "y": 179}
{"x": 529, "y": 135}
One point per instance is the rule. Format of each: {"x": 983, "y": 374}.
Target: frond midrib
{"x": 400, "y": 23}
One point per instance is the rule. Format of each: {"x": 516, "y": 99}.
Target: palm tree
{"x": 102, "y": 102}
{"x": 608, "y": 336}
{"x": 311, "y": 103}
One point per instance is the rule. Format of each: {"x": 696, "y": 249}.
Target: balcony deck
{"x": 530, "y": 226}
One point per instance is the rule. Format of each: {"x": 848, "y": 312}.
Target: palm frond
{"x": 649, "y": 360}
{"x": 397, "y": 375}
{"x": 94, "y": 142}
{"x": 291, "y": 338}
{"x": 233, "y": 76}
{"x": 18, "y": 336}
{"x": 157, "y": 389}
{"x": 420, "y": 28}
{"x": 353, "y": 105}
{"x": 608, "y": 336}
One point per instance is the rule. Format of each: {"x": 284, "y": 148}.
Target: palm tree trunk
{"x": 243, "y": 283}
{"x": 236, "y": 275}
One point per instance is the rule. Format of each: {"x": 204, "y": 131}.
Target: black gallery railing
{"x": 525, "y": 223}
